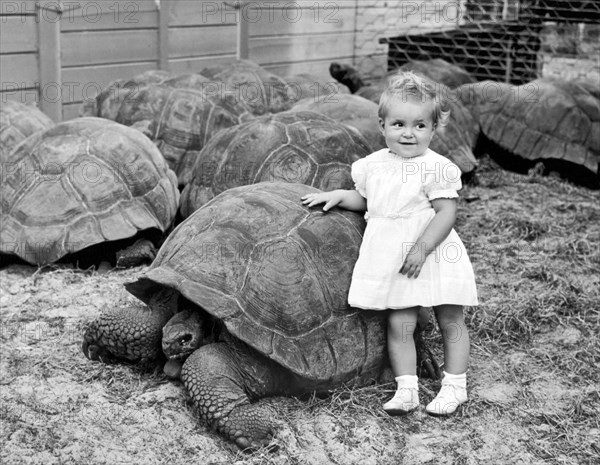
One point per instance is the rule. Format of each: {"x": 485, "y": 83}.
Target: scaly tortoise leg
{"x": 222, "y": 379}
{"x": 131, "y": 334}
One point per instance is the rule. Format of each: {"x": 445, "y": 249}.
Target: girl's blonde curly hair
{"x": 405, "y": 84}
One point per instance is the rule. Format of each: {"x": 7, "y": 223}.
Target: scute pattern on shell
{"x": 292, "y": 146}
{"x": 259, "y": 89}
{"x": 277, "y": 274}
{"x": 545, "y": 119}
{"x": 17, "y": 122}
{"x": 353, "y": 110}
{"x": 80, "y": 183}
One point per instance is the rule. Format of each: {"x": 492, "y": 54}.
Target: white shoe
{"x": 404, "y": 401}
{"x": 447, "y": 400}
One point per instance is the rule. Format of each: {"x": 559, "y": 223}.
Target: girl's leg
{"x": 455, "y": 334}
{"x": 403, "y": 359}
{"x": 400, "y": 341}
{"x": 456, "y": 359}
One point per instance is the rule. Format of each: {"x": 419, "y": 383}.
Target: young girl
{"x": 410, "y": 256}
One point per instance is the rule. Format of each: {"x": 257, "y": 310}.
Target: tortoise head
{"x": 183, "y": 334}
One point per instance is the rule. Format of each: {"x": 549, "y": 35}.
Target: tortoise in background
{"x": 551, "y": 121}
{"x": 352, "y": 110}
{"x": 108, "y": 102}
{"x": 83, "y": 182}
{"x": 260, "y": 283}
{"x": 310, "y": 86}
{"x": 292, "y": 146}
{"x": 17, "y": 122}
{"x": 181, "y": 115}
{"x": 260, "y": 90}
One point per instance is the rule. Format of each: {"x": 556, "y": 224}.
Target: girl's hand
{"x": 330, "y": 199}
{"x": 413, "y": 263}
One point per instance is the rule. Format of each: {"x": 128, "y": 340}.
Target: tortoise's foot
{"x": 250, "y": 426}
{"x": 141, "y": 252}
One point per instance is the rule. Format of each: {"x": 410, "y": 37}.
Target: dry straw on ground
{"x": 535, "y": 245}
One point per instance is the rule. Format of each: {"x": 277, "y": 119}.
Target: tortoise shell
{"x": 17, "y": 122}
{"x": 349, "y": 109}
{"x": 458, "y": 138}
{"x": 181, "y": 119}
{"x": 80, "y": 183}
{"x": 545, "y": 119}
{"x": 304, "y": 147}
{"x": 310, "y": 86}
{"x": 108, "y": 102}
{"x": 277, "y": 274}
{"x": 261, "y": 90}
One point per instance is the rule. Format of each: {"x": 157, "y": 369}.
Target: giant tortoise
{"x": 179, "y": 113}
{"x": 551, "y": 121}
{"x": 292, "y": 146}
{"x": 353, "y": 110}
{"x": 17, "y": 122}
{"x": 259, "y": 89}
{"x": 83, "y": 182}
{"x": 254, "y": 285}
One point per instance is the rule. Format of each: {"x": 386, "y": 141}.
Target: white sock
{"x": 408, "y": 381}
{"x": 457, "y": 380}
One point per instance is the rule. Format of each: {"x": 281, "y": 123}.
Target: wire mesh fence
{"x": 502, "y": 40}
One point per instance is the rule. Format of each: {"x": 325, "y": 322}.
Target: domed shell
{"x": 108, "y": 102}
{"x": 304, "y": 147}
{"x": 17, "y": 122}
{"x": 258, "y": 88}
{"x": 351, "y": 110}
{"x": 277, "y": 274}
{"x": 182, "y": 119}
{"x": 545, "y": 119}
{"x": 80, "y": 183}
{"x": 458, "y": 138}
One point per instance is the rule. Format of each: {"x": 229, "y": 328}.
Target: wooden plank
{"x": 21, "y": 95}
{"x": 301, "y": 48}
{"x": 202, "y": 13}
{"x": 107, "y": 19}
{"x": 49, "y": 54}
{"x": 98, "y": 47}
{"x": 323, "y": 17}
{"x": 163, "y": 34}
{"x": 19, "y": 71}
{"x": 17, "y": 7}
{"x": 18, "y": 34}
{"x": 199, "y": 41}
{"x": 193, "y": 65}
{"x": 82, "y": 83}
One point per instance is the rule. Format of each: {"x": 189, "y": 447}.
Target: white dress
{"x": 399, "y": 193}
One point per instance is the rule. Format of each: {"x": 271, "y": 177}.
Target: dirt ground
{"x": 533, "y": 378}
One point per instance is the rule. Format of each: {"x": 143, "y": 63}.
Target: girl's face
{"x": 408, "y": 126}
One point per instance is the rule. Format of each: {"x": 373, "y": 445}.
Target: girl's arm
{"x": 347, "y": 199}
{"x": 436, "y": 231}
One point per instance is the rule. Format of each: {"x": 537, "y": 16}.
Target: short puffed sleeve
{"x": 442, "y": 180}
{"x": 359, "y": 176}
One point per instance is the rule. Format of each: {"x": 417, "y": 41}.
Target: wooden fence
{"x": 61, "y": 53}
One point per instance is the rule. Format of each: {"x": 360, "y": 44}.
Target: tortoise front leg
{"x": 222, "y": 380}
{"x": 129, "y": 334}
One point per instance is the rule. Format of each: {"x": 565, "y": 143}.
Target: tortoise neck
{"x": 164, "y": 301}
